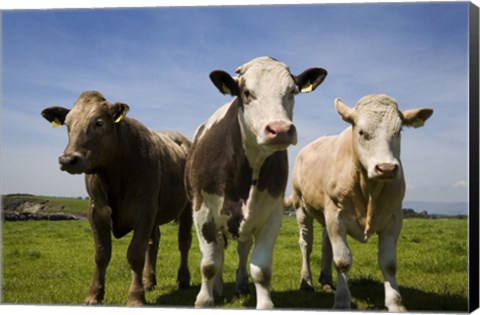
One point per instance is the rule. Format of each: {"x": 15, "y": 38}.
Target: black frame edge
{"x": 473, "y": 302}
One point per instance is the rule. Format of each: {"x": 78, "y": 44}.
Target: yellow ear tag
{"x": 56, "y": 123}
{"x": 119, "y": 118}
{"x": 226, "y": 90}
{"x": 307, "y": 87}
{"x": 418, "y": 123}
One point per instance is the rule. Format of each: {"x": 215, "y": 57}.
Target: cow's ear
{"x": 56, "y": 115}
{"x": 416, "y": 117}
{"x": 309, "y": 79}
{"x": 224, "y": 82}
{"x": 348, "y": 114}
{"x": 119, "y": 111}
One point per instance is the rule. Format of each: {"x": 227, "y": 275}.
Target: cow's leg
{"x": 387, "y": 260}
{"x": 184, "y": 244}
{"x": 241, "y": 283}
{"x": 342, "y": 256}
{"x": 211, "y": 288}
{"x": 149, "y": 270}
{"x": 262, "y": 258}
{"x": 305, "y": 225}
{"x": 326, "y": 279}
{"x": 207, "y": 235}
{"x": 218, "y": 280}
{"x": 100, "y": 222}
{"x": 136, "y": 258}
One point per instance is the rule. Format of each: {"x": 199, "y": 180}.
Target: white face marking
{"x": 377, "y": 137}
{"x": 267, "y": 91}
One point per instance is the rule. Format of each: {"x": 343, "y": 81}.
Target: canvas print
{"x": 295, "y": 157}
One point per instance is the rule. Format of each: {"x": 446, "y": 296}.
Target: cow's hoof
{"x": 341, "y": 306}
{"x": 183, "y": 285}
{"x": 218, "y": 299}
{"x": 183, "y": 280}
{"x": 241, "y": 284}
{"x": 242, "y": 289}
{"x": 265, "y": 305}
{"x": 136, "y": 298}
{"x": 397, "y": 309}
{"x": 135, "y": 303}
{"x": 326, "y": 281}
{"x": 204, "y": 302}
{"x": 149, "y": 284}
{"x": 328, "y": 288}
{"x": 91, "y": 300}
{"x": 305, "y": 286}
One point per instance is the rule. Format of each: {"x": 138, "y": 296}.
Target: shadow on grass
{"x": 186, "y": 298}
{"x": 294, "y": 299}
{"x": 372, "y": 293}
{"x": 364, "y": 291}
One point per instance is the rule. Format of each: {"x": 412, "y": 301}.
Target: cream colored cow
{"x": 353, "y": 183}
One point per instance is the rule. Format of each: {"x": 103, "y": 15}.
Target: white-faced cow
{"x": 134, "y": 178}
{"x": 237, "y": 172}
{"x": 353, "y": 184}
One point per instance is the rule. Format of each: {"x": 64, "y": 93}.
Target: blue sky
{"x": 157, "y": 60}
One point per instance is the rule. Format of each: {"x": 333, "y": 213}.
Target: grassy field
{"x": 48, "y": 262}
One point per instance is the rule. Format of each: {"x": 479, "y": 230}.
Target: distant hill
{"x": 17, "y": 207}
{"x": 438, "y": 208}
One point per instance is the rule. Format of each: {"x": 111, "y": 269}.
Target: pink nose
{"x": 280, "y": 132}
{"x": 387, "y": 170}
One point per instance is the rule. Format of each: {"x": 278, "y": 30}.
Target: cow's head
{"x": 92, "y": 137}
{"x": 265, "y": 91}
{"x": 377, "y": 123}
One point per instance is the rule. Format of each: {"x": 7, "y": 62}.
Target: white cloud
{"x": 410, "y": 187}
{"x": 461, "y": 184}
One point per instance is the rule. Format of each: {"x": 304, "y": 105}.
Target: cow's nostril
{"x": 280, "y": 133}
{"x": 280, "y": 129}
{"x": 270, "y": 131}
{"x": 73, "y": 160}
{"x": 292, "y": 131}
{"x": 68, "y": 160}
{"x": 386, "y": 169}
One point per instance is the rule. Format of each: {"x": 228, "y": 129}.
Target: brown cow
{"x": 134, "y": 178}
{"x": 353, "y": 183}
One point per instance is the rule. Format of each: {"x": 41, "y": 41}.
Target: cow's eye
{"x": 99, "y": 123}
{"x": 364, "y": 135}
{"x": 247, "y": 94}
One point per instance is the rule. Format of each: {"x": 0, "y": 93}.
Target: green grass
{"x": 52, "y": 263}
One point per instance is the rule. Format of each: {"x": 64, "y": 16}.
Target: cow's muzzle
{"x": 280, "y": 134}
{"x": 386, "y": 171}
{"x": 72, "y": 163}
